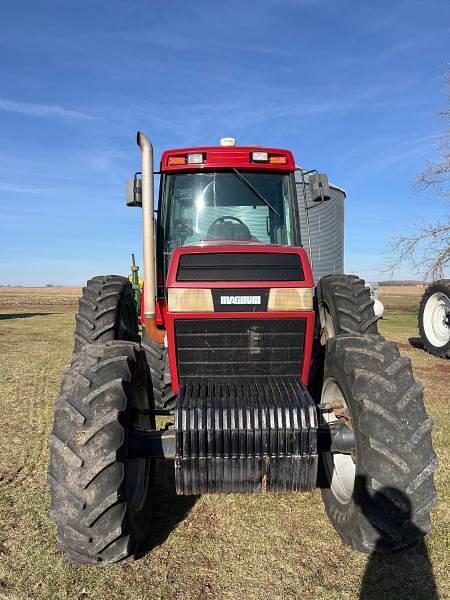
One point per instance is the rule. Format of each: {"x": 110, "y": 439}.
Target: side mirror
{"x": 134, "y": 191}
{"x": 319, "y": 187}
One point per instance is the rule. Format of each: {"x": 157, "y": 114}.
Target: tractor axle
{"x": 162, "y": 443}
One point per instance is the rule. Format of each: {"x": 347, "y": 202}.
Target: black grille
{"x": 239, "y": 347}
{"x": 237, "y": 266}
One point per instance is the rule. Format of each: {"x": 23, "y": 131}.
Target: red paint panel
{"x": 160, "y": 309}
{"x": 222, "y": 157}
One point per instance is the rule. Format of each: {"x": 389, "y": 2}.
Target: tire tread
{"x": 101, "y": 312}
{"x": 393, "y": 440}
{"x": 87, "y": 467}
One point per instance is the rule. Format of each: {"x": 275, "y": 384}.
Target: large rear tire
{"x": 434, "y": 318}
{"x": 101, "y": 500}
{"x": 379, "y": 498}
{"x": 106, "y": 311}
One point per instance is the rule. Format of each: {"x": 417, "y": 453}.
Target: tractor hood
{"x": 235, "y": 307}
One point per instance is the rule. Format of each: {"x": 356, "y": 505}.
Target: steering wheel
{"x": 221, "y": 221}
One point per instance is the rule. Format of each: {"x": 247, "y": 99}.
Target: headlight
{"x": 290, "y": 299}
{"x": 189, "y": 300}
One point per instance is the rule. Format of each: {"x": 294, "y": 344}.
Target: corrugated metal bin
{"x": 326, "y": 222}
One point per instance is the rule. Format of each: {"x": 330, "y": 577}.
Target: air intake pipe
{"x": 148, "y": 206}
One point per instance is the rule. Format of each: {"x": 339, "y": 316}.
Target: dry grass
{"x": 402, "y": 290}
{"x": 213, "y": 547}
{"x": 16, "y": 296}
{"x": 402, "y": 297}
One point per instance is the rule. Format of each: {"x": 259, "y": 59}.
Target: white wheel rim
{"x": 340, "y": 468}
{"x": 327, "y": 324}
{"x": 436, "y": 317}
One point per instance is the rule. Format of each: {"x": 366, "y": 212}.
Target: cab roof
{"x": 227, "y": 157}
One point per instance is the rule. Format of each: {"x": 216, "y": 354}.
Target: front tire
{"x": 379, "y": 498}
{"x": 434, "y": 318}
{"x": 101, "y": 501}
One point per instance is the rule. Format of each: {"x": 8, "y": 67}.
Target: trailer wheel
{"x": 344, "y": 306}
{"x": 157, "y": 361}
{"x": 380, "y": 497}
{"x": 106, "y": 311}
{"x": 101, "y": 501}
{"x": 434, "y": 318}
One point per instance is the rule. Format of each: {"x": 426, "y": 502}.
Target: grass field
{"x": 212, "y": 547}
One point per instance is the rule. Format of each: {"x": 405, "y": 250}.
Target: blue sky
{"x": 353, "y": 88}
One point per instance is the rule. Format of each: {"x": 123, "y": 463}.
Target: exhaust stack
{"x": 148, "y": 206}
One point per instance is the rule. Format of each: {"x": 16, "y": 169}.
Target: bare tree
{"x": 427, "y": 246}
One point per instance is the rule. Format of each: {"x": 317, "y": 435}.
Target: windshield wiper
{"x": 255, "y": 191}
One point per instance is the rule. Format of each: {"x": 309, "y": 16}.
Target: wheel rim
{"x": 436, "y": 317}
{"x": 327, "y": 324}
{"x": 340, "y": 468}
{"x": 139, "y": 469}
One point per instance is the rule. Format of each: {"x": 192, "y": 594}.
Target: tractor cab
{"x": 228, "y": 194}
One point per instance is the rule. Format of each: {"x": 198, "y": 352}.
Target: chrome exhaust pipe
{"x": 148, "y": 230}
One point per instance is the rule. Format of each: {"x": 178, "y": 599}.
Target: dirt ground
{"x": 211, "y": 547}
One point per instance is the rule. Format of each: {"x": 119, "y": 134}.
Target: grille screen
{"x": 239, "y": 347}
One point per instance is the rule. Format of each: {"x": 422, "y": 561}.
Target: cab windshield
{"x": 227, "y": 206}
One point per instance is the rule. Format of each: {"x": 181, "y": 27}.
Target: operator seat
{"x": 228, "y": 228}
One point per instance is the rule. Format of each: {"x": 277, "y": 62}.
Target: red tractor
{"x": 274, "y": 383}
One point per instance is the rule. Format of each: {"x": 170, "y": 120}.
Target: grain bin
{"x": 326, "y": 223}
